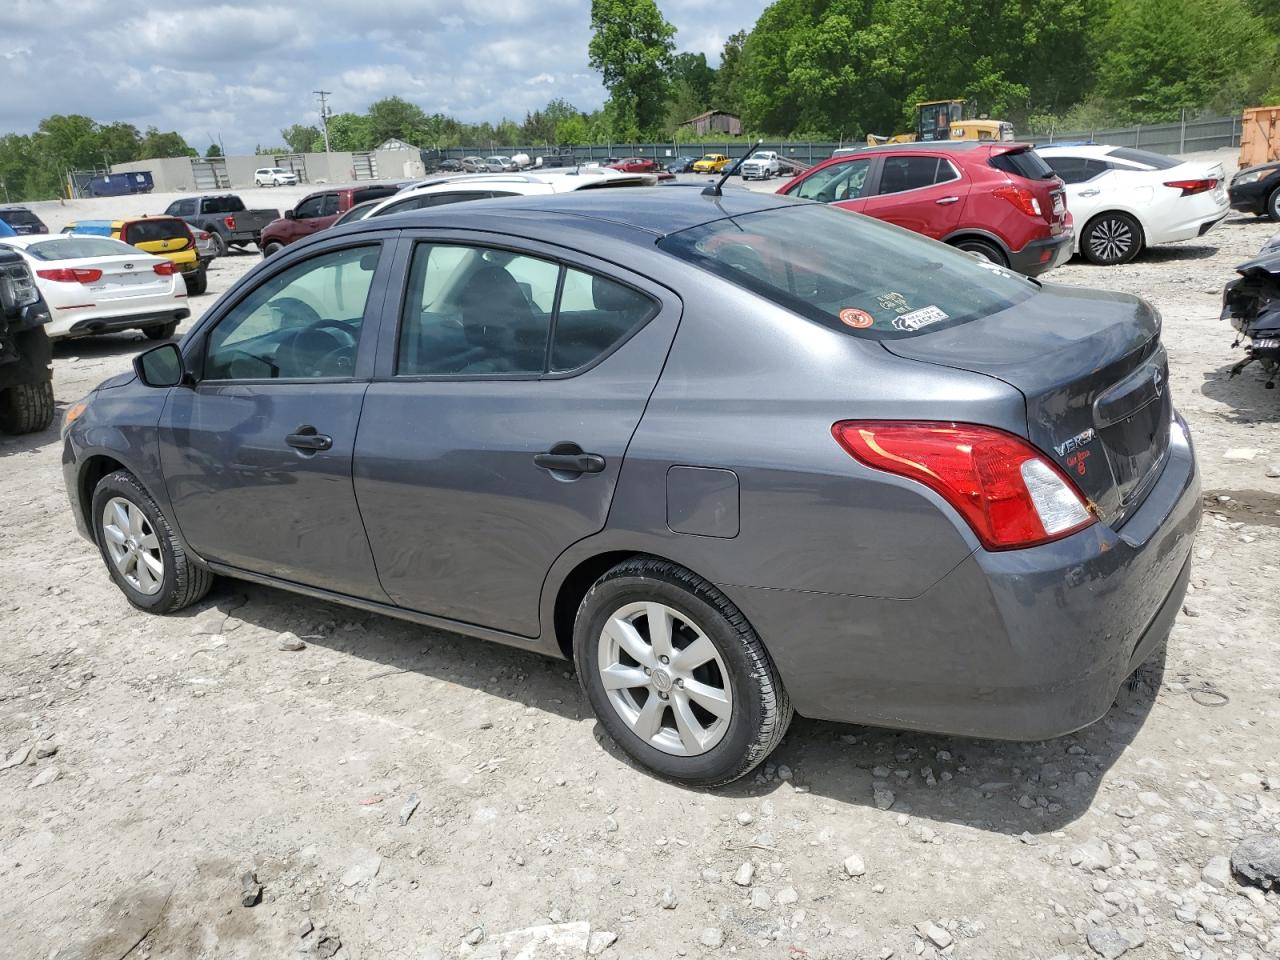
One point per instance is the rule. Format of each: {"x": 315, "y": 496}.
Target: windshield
{"x": 849, "y": 272}
{"x": 19, "y": 218}
{"x": 75, "y": 248}
{"x": 223, "y": 205}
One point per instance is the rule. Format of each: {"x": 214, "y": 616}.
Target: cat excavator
{"x": 944, "y": 120}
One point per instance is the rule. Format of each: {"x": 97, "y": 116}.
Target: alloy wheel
{"x": 132, "y": 545}
{"x": 1111, "y": 239}
{"x": 665, "y": 679}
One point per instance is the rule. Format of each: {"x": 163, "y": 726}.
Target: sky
{"x": 243, "y": 70}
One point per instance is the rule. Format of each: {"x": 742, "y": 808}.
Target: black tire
{"x": 161, "y": 331}
{"x": 219, "y": 244}
{"x": 197, "y": 282}
{"x": 1273, "y": 204}
{"x": 983, "y": 248}
{"x": 183, "y": 582}
{"x": 271, "y": 247}
{"x": 761, "y": 709}
{"x": 26, "y": 407}
{"x": 1111, "y": 238}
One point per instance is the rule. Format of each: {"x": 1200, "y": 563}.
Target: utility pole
{"x": 323, "y": 97}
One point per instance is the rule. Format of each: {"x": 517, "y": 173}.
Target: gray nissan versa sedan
{"x": 733, "y": 455}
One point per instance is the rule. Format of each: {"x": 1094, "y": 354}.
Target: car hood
{"x": 1273, "y": 165}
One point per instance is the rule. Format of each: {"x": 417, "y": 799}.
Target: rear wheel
{"x": 1273, "y": 204}
{"x": 219, "y": 244}
{"x": 983, "y": 248}
{"x": 676, "y": 675}
{"x": 162, "y": 331}
{"x": 142, "y": 553}
{"x": 197, "y": 283}
{"x": 1111, "y": 238}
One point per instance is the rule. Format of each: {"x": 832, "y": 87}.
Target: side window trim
{"x": 394, "y": 306}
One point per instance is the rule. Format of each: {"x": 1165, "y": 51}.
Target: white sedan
{"x": 97, "y": 285}
{"x": 1123, "y": 200}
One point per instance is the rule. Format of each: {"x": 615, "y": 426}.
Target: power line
{"x": 323, "y": 97}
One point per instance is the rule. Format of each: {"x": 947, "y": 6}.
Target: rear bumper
{"x": 1040, "y": 256}
{"x": 1196, "y": 216}
{"x": 1019, "y": 645}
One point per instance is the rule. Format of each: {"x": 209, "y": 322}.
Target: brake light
{"x": 1010, "y": 494}
{"x": 1190, "y": 188}
{"x": 71, "y": 275}
{"x": 1020, "y": 197}
{"x": 166, "y": 268}
{"x": 230, "y": 222}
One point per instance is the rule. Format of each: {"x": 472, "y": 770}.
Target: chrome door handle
{"x": 307, "y": 439}
{"x": 946, "y": 200}
{"x": 1089, "y": 193}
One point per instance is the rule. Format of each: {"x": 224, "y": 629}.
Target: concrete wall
{"x": 174, "y": 175}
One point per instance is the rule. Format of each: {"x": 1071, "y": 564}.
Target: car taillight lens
{"x": 1190, "y": 188}
{"x": 71, "y": 275}
{"x": 230, "y": 222}
{"x": 1020, "y": 197}
{"x": 166, "y": 268}
{"x": 1007, "y": 490}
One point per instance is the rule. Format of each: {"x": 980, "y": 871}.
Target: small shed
{"x": 1260, "y": 136}
{"x": 714, "y": 121}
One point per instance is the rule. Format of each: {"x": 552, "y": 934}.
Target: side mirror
{"x": 160, "y": 366}
{"x": 290, "y": 215}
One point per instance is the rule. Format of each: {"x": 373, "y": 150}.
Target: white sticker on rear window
{"x": 919, "y": 318}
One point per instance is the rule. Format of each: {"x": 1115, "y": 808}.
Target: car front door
{"x": 921, "y": 192}
{"x": 846, "y": 184}
{"x": 257, "y": 452}
{"x": 495, "y": 428}
{"x": 315, "y": 213}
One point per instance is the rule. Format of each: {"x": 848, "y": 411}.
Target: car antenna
{"x": 714, "y": 189}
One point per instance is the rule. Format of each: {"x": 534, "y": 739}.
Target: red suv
{"x": 999, "y": 200}
{"x": 316, "y": 212}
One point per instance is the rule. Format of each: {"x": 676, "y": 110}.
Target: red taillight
{"x": 1190, "y": 188}
{"x": 230, "y": 222}
{"x": 1008, "y": 492}
{"x": 1020, "y": 197}
{"x": 166, "y": 268}
{"x": 71, "y": 275}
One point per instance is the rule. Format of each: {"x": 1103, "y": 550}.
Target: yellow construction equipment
{"x": 944, "y": 120}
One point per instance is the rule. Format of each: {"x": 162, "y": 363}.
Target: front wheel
{"x": 26, "y": 407}
{"x": 142, "y": 553}
{"x": 1273, "y": 204}
{"x": 676, "y": 675}
{"x": 1111, "y": 238}
{"x": 269, "y": 248}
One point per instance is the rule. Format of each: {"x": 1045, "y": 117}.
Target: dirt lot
{"x": 149, "y": 762}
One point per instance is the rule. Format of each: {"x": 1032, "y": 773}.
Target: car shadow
{"x": 1246, "y": 394}
{"x": 1175, "y": 253}
{"x": 30, "y": 442}
{"x": 997, "y": 786}
{"x": 102, "y": 345}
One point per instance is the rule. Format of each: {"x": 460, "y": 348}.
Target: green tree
{"x": 213, "y": 151}
{"x": 631, "y": 46}
{"x": 540, "y": 125}
{"x": 691, "y": 70}
{"x": 393, "y": 117}
{"x": 725, "y": 93}
{"x": 156, "y": 144}
{"x": 302, "y": 138}
{"x": 349, "y": 132}
{"x": 120, "y": 142}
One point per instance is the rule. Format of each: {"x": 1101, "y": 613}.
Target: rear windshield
{"x": 1156, "y": 161}
{"x": 223, "y": 205}
{"x": 73, "y": 248}
{"x": 1023, "y": 163}
{"x": 148, "y": 231}
{"x": 849, "y": 272}
{"x": 19, "y": 218}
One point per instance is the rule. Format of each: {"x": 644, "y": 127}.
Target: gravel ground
{"x": 406, "y": 794}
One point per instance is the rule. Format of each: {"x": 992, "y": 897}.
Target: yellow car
{"x": 711, "y": 163}
{"x": 166, "y": 237}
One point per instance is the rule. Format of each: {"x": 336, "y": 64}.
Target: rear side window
{"x": 223, "y": 205}
{"x": 911, "y": 173}
{"x": 1154, "y": 161}
{"x": 1022, "y": 163}
{"x": 370, "y": 193}
{"x": 849, "y": 273}
{"x": 149, "y": 231}
{"x": 1076, "y": 169}
{"x": 19, "y": 218}
{"x": 329, "y": 205}
{"x": 476, "y": 311}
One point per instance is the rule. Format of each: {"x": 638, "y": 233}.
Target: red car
{"x": 635, "y": 165}
{"x": 316, "y": 212}
{"x": 998, "y": 200}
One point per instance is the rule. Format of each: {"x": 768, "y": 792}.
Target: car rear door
{"x": 315, "y": 213}
{"x": 921, "y": 192}
{"x": 257, "y": 453}
{"x": 1090, "y": 184}
{"x": 493, "y": 434}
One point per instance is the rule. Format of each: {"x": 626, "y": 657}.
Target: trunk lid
{"x": 1095, "y": 378}
{"x": 1027, "y": 169}
{"x": 123, "y": 277}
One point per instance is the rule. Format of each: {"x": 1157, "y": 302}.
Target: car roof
{"x": 1078, "y": 150}
{"x": 565, "y": 178}
{"x": 635, "y": 215}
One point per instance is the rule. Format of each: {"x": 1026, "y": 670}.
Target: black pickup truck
{"x": 26, "y": 378}
{"x": 225, "y": 218}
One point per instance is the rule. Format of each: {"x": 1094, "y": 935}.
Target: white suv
{"x": 274, "y": 177}
{"x": 483, "y": 186}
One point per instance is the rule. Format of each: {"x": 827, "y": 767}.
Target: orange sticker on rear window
{"x": 858, "y": 319}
